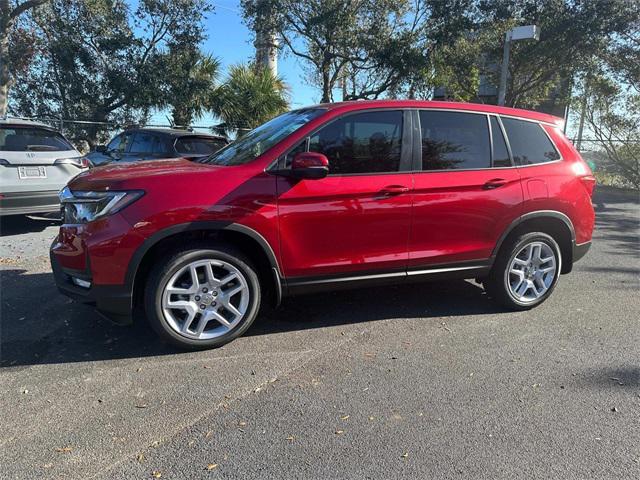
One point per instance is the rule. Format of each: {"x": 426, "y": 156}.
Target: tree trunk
{"x": 4, "y": 53}
{"x": 326, "y": 84}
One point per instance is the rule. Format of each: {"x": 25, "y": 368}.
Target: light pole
{"x": 517, "y": 33}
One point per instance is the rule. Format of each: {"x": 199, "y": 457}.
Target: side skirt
{"x": 303, "y": 285}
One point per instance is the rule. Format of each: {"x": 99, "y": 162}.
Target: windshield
{"x": 22, "y": 139}
{"x": 261, "y": 139}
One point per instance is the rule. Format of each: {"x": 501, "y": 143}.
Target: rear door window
{"x": 454, "y": 140}
{"x": 22, "y": 139}
{"x": 142, "y": 143}
{"x": 199, "y": 145}
{"x": 529, "y": 143}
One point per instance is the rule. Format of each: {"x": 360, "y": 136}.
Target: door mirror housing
{"x": 309, "y": 165}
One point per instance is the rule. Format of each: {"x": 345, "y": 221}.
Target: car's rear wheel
{"x": 526, "y": 271}
{"x": 203, "y": 296}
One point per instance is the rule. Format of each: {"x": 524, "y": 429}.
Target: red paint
{"x": 338, "y": 224}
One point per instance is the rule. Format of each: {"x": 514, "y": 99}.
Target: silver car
{"x": 36, "y": 162}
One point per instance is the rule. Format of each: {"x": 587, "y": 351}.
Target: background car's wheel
{"x": 526, "y": 271}
{"x": 203, "y": 296}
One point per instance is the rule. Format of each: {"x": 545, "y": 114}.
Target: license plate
{"x": 32, "y": 172}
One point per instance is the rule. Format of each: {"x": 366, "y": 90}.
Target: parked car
{"x": 333, "y": 196}
{"x": 36, "y": 161}
{"x": 157, "y": 143}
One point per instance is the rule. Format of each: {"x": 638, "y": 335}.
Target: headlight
{"x": 84, "y": 207}
{"x": 80, "y": 162}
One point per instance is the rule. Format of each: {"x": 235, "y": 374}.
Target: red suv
{"x": 327, "y": 197}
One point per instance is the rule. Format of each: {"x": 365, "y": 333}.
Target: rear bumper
{"x": 21, "y": 203}
{"x": 112, "y": 301}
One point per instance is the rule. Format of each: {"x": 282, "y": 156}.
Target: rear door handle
{"x": 494, "y": 183}
{"x": 394, "y": 190}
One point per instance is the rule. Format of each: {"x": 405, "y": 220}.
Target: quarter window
{"x": 368, "y": 142}
{"x": 529, "y": 143}
{"x": 454, "y": 140}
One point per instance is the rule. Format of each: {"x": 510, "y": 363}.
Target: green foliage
{"x": 249, "y": 97}
{"x": 366, "y": 46}
{"x": 572, "y": 33}
{"x": 103, "y": 60}
{"x": 189, "y": 83}
{"x": 613, "y": 117}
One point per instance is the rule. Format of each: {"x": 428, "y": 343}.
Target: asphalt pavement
{"x": 419, "y": 382}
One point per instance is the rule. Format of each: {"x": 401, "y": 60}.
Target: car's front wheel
{"x": 203, "y": 296}
{"x": 526, "y": 271}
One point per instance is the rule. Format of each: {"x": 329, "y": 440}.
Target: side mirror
{"x": 309, "y": 165}
{"x": 101, "y": 148}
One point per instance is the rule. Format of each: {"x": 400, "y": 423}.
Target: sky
{"x": 231, "y": 41}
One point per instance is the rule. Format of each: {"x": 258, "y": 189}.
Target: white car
{"x": 36, "y": 162}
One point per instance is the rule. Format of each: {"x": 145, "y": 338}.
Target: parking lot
{"x": 426, "y": 381}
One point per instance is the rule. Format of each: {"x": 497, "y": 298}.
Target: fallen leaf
{"x": 404, "y": 455}
{"x": 208, "y": 434}
{"x": 64, "y": 449}
{"x": 242, "y": 424}
{"x": 142, "y": 405}
{"x": 345, "y": 417}
{"x": 140, "y": 457}
{"x": 138, "y": 369}
{"x": 290, "y": 438}
{"x": 156, "y": 474}
{"x": 211, "y": 466}
{"x": 339, "y": 432}
{"x": 371, "y": 418}
{"x": 48, "y": 465}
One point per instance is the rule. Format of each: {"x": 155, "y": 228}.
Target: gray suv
{"x": 36, "y": 162}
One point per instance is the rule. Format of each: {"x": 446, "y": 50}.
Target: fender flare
{"x": 530, "y": 215}
{"x": 213, "y": 226}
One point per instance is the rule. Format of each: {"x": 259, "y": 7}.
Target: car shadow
{"x": 55, "y": 329}
{"x": 20, "y": 224}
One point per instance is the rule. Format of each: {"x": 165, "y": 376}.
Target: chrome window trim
{"x": 553, "y": 144}
{"x": 490, "y": 167}
{"x": 275, "y": 163}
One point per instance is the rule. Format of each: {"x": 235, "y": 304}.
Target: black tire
{"x": 496, "y": 283}
{"x": 161, "y": 273}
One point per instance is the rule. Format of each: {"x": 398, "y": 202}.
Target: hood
{"x": 120, "y": 176}
{"x": 36, "y": 157}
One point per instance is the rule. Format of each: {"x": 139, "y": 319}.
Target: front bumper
{"x": 23, "y": 203}
{"x": 112, "y": 301}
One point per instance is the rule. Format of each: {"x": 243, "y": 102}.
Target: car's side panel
{"x": 343, "y": 224}
{"x": 456, "y": 218}
{"x": 557, "y": 186}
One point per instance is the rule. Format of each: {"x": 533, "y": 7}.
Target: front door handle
{"x": 494, "y": 183}
{"x": 394, "y": 190}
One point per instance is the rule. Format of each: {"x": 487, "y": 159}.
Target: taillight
{"x": 80, "y": 162}
{"x": 589, "y": 182}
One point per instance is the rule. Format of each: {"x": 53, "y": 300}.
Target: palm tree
{"x": 191, "y": 85}
{"x": 249, "y": 97}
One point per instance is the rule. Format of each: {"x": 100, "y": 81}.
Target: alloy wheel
{"x": 531, "y": 272}
{"x": 205, "y": 299}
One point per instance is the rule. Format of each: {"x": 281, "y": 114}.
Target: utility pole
{"x": 517, "y": 33}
